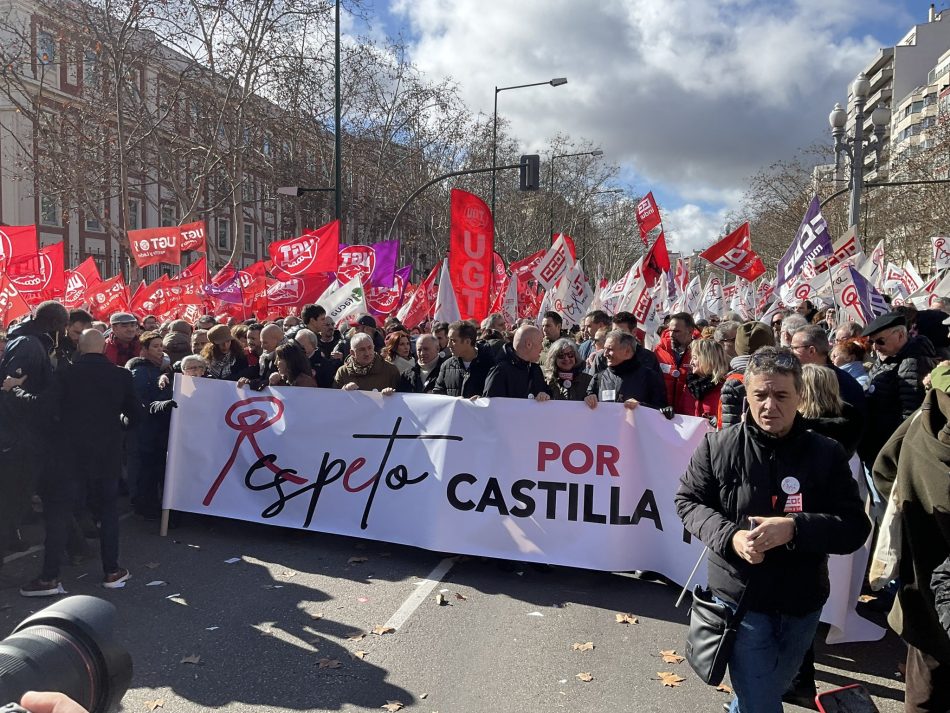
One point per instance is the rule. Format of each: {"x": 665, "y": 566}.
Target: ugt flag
{"x": 470, "y": 254}
{"x": 314, "y": 251}
{"x": 811, "y": 241}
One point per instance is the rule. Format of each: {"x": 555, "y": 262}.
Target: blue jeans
{"x": 767, "y": 653}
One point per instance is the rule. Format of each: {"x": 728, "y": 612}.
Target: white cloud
{"x": 690, "y": 228}
{"x": 689, "y": 96}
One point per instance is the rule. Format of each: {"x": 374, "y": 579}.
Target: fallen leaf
{"x": 865, "y": 598}
{"x": 669, "y": 678}
{"x": 460, "y": 597}
{"x": 441, "y": 600}
{"x": 585, "y": 677}
{"x": 151, "y": 565}
{"x": 328, "y": 663}
{"x": 393, "y": 706}
{"x": 356, "y": 637}
{"x": 626, "y": 619}
{"x": 157, "y": 703}
{"x": 723, "y": 688}
{"x": 671, "y": 657}
{"x": 380, "y": 630}
{"x": 359, "y": 654}
{"x": 194, "y": 659}
{"x": 589, "y": 646}
{"x": 357, "y": 560}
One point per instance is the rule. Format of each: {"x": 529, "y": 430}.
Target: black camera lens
{"x": 68, "y": 647}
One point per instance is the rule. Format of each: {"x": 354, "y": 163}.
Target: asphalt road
{"x": 289, "y": 627}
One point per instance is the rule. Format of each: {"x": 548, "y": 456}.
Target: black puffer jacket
{"x": 455, "y": 380}
{"x": 732, "y": 396}
{"x": 734, "y": 474}
{"x": 514, "y": 378}
{"x": 940, "y": 584}
{"x": 894, "y": 393}
{"x": 629, "y": 380}
{"x": 412, "y": 382}
{"x": 27, "y": 354}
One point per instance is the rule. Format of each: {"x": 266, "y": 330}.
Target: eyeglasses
{"x": 796, "y": 347}
{"x": 880, "y": 341}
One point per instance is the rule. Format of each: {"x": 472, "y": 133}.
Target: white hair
{"x": 359, "y": 338}
{"x": 308, "y": 334}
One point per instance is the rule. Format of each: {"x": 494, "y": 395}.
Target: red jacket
{"x": 706, "y": 407}
{"x": 119, "y": 353}
{"x": 674, "y": 372}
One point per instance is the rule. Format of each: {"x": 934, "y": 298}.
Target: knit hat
{"x": 219, "y": 334}
{"x": 752, "y": 336}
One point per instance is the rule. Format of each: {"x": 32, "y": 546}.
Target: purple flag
{"x": 374, "y": 264}
{"x": 811, "y": 241}
{"x": 226, "y": 286}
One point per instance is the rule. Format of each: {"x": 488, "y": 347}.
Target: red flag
{"x": 286, "y": 297}
{"x": 151, "y": 299}
{"x": 681, "y": 276}
{"x": 153, "y": 245}
{"x": 80, "y": 280}
{"x": 417, "y": 309}
{"x": 193, "y": 236}
{"x": 656, "y": 261}
{"x": 41, "y": 276}
{"x": 648, "y": 216}
{"x": 470, "y": 254}
{"x": 734, "y": 254}
{"x": 187, "y": 289}
{"x": 198, "y": 267}
{"x": 12, "y": 305}
{"x": 524, "y": 267}
{"x": 569, "y": 241}
{"x": 109, "y": 296}
{"x": 314, "y": 251}
{"x": 499, "y": 276}
{"x": 16, "y": 241}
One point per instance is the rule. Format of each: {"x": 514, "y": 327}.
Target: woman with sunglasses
{"x": 563, "y": 362}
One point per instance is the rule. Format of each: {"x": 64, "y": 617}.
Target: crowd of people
{"x": 794, "y": 404}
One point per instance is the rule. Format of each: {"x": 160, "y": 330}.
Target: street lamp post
{"x": 556, "y": 82}
{"x": 595, "y": 153}
{"x": 854, "y": 146}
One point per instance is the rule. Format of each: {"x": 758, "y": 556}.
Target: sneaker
{"x": 117, "y": 579}
{"x": 42, "y": 588}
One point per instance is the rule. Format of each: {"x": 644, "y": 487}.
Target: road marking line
{"x": 423, "y": 589}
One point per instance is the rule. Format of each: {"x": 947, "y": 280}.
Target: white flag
{"x": 331, "y": 288}
{"x": 555, "y": 263}
{"x": 573, "y": 295}
{"x": 912, "y": 279}
{"x": 348, "y": 299}
{"x": 941, "y": 247}
{"x": 711, "y": 303}
{"x": 688, "y": 301}
{"x": 446, "y": 306}
{"x": 509, "y": 304}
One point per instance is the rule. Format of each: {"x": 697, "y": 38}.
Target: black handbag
{"x": 712, "y": 631}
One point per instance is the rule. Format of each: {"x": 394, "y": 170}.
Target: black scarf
{"x": 699, "y": 386}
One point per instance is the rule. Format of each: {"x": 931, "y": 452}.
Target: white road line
{"x": 423, "y": 589}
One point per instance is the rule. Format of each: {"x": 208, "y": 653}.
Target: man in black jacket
{"x": 626, "y": 379}
{"x": 422, "y": 376}
{"x": 93, "y": 396}
{"x": 517, "y": 374}
{"x": 627, "y": 322}
{"x": 464, "y": 373}
{"x": 771, "y": 500}
{"x": 896, "y": 389}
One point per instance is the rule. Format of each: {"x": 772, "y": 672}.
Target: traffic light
{"x": 530, "y": 173}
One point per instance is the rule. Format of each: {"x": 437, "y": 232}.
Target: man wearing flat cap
{"x": 122, "y": 345}
{"x": 896, "y": 386}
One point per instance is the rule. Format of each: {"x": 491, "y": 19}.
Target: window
{"x": 224, "y": 227}
{"x": 265, "y": 147}
{"x": 135, "y": 208}
{"x": 248, "y": 238}
{"x": 90, "y": 69}
{"x": 49, "y": 211}
{"x": 269, "y": 235}
{"x": 45, "y": 47}
{"x": 93, "y": 225}
{"x": 168, "y": 215}
{"x": 247, "y": 189}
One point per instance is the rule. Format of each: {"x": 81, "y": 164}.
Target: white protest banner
{"x": 542, "y": 482}
{"x": 941, "y": 245}
{"x": 555, "y": 263}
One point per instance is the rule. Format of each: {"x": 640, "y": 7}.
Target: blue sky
{"x": 689, "y": 97}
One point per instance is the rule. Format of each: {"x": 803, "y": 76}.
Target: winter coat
{"x": 327, "y": 348}
{"x": 577, "y": 391}
{"x": 455, "y": 380}
{"x": 739, "y": 472}
{"x": 152, "y": 431}
{"x": 120, "y": 353}
{"x": 675, "y": 369}
{"x": 411, "y": 380}
{"x": 381, "y": 375}
{"x": 856, "y": 371}
{"x": 895, "y": 392}
{"x": 940, "y": 584}
{"x": 514, "y": 378}
{"x": 22, "y": 416}
{"x": 230, "y": 368}
{"x": 732, "y": 396}
{"x": 701, "y": 397}
{"x": 94, "y": 396}
{"x": 324, "y": 369}
{"x": 916, "y": 461}
{"x": 642, "y": 355}
{"x": 629, "y": 380}
{"x": 27, "y": 354}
